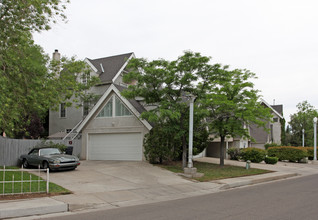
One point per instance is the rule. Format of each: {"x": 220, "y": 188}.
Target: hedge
{"x": 271, "y": 145}
{"x": 310, "y": 152}
{"x": 253, "y": 154}
{"x": 271, "y": 160}
{"x": 292, "y": 154}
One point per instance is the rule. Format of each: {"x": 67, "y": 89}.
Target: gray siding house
{"x": 111, "y": 128}
{"x": 260, "y": 136}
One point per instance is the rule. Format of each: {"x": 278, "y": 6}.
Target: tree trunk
{"x": 222, "y": 151}
{"x": 184, "y": 152}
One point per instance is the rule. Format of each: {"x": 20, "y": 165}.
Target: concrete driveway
{"x": 106, "y": 176}
{"x": 111, "y": 184}
{"x": 117, "y": 183}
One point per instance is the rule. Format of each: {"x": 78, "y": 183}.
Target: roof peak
{"x": 113, "y": 56}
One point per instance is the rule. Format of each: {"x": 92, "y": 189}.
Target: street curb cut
{"x": 256, "y": 181}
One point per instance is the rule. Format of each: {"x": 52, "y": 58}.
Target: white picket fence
{"x": 13, "y": 186}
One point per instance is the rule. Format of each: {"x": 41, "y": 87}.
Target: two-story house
{"x": 110, "y": 129}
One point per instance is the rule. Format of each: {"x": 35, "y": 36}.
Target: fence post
{"x": 22, "y": 180}
{"x": 4, "y": 178}
{"x": 13, "y": 184}
{"x": 39, "y": 169}
{"x": 47, "y": 180}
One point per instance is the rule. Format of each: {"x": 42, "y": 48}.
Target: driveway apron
{"x": 108, "y": 183}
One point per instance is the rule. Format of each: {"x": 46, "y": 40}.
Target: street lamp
{"x": 190, "y": 163}
{"x": 315, "y": 138}
{"x": 303, "y": 137}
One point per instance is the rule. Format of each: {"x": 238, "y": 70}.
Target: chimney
{"x": 56, "y": 55}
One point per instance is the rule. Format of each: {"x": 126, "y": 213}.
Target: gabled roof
{"x": 133, "y": 106}
{"x": 278, "y": 108}
{"x": 133, "y": 102}
{"x": 273, "y": 109}
{"x": 109, "y": 68}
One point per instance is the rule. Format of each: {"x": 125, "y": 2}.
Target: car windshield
{"x": 49, "y": 151}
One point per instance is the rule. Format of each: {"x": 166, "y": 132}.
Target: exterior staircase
{"x": 73, "y": 133}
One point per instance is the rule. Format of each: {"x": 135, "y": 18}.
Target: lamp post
{"x": 315, "y": 138}
{"x": 190, "y": 163}
{"x": 303, "y": 130}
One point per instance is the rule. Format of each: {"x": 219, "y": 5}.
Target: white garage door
{"x": 121, "y": 146}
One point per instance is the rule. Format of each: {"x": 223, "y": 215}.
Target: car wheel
{"x": 25, "y": 163}
{"x": 45, "y": 165}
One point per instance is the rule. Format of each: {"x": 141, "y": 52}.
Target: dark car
{"x": 51, "y": 158}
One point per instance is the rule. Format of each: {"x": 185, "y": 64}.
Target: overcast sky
{"x": 276, "y": 39}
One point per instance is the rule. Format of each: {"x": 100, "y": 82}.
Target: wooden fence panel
{"x": 11, "y": 149}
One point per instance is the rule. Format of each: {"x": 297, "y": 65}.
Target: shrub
{"x": 271, "y": 160}
{"x": 234, "y": 153}
{"x": 270, "y": 145}
{"x": 310, "y": 152}
{"x": 158, "y": 149}
{"x": 45, "y": 143}
{"x": 292, "y": 154}
{"x": 253, "y": 154}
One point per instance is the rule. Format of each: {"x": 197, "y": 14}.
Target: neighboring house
{"x": 260, "y": 136}
{"x": 111, "y": 128}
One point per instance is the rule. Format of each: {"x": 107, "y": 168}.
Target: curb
{"x": 256, "y": 181}
{"x": 22, "y": 208}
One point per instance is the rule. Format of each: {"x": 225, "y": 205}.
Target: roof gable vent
{"x": 102, "y": 68}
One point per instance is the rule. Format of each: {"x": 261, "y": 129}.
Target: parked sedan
{"x": 51, "y": 158}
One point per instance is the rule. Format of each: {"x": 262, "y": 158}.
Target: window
{"x": 275, "y": 119}
{"x": 68, "y": 130}
{"x": 34, "y": 152}
{"x": 114, "y": 107}
{"x": 272, "y": 134}
{"x": 62, "y": 110}
{"x": 86, "y": 108}
{"x": 107, "y": 111}
{"x": 121, "y": 109}
{"x": 86, "y": 78}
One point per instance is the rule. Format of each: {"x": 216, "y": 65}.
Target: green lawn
{"x": 214, "y": 171}
{"x": 26, "y": 187}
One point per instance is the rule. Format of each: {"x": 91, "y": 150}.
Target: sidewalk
{"x": 80, "y": 202}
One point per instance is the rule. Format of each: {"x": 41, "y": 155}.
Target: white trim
{"x": 87, "y": 135}
{"x": 101, "y": 101}
{"x": 269, "y": 106}
{"x": 107, "y": 101}
{"x": 91, "y": 65}
{"x": 123, "y": 67}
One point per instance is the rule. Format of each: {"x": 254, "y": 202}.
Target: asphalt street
{"x": 295, "y": 198}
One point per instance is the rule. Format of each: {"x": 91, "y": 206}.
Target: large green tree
{"x": 302, "y": 119}
{"x": 30, "y": 84}
{"x": 232, "y": 104}
{"x": 164, "y": 86}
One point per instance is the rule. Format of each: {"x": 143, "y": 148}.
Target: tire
{"x": 25, "y": 163}
{"x": 45, "y": 165}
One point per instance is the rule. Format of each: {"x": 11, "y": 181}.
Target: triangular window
{"x": 121, "y": 109}
{"x": 107, "y": 111}
{"x": 113, "y": 108}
